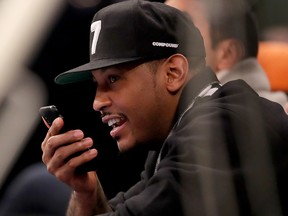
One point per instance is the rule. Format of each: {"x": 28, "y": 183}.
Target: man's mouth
{"x": 115, "y": 122}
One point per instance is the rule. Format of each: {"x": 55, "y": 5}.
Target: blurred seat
{"x": 273, "y": 57}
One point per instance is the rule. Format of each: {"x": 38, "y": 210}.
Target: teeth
{"x": 112, "y": 122}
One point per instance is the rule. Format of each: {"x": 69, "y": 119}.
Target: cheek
{"x": 140, "y": 104}
{"x": 143, "y": 109}
{"x": 148, "y": 119}
{"x": 141, "y": 116}
{"x": 138, "y": 99}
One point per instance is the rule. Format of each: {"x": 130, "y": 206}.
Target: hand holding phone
{"x": 49, "y": 114}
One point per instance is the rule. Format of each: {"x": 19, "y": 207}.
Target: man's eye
{"x": 113, "y": 79}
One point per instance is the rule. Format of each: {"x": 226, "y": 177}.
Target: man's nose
{"x": 101, "y": 101}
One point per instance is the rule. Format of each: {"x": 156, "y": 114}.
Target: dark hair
{"x": 232, "y": 19}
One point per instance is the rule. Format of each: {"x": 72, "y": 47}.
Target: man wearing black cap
{"x": 214, "y": 150}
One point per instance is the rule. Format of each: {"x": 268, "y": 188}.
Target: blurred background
{"x": 39, "y": 40}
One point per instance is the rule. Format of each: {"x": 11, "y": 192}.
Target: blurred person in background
{"x": 230, "y": 33}
{"x": 213, "y": 149}
{"x": 273, "y": 55}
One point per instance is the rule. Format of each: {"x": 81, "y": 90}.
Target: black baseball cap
{"x": 136, "y": 30}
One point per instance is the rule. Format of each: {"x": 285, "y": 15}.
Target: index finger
{"x": 55, "y": 128}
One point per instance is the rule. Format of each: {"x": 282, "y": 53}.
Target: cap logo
{"x": 161, "y": 44}
{"x": 96, "y": 28}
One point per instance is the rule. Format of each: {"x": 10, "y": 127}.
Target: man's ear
{"x": 177, "y": 72}
{"x": 229, "y": 52}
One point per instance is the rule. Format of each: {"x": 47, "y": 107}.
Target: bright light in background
{"x": 23, "y": 25}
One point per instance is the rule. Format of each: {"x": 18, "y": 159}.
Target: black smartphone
{"x": 50, "y": 113}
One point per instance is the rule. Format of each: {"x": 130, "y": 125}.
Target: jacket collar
{"x": 193, "y": 88}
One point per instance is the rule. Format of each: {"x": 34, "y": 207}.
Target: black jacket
{"x": 228, "y": 155}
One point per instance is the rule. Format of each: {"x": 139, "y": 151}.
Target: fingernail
{"x": 87, "y": 142}
{"x": 92, "y": 151}
{"x": 78, "y": 134}
{"x": 56, "y": 122}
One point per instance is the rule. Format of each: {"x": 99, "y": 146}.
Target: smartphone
{"x": 50, "y": 113}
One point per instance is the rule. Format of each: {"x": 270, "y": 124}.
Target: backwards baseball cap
{"x": 136, "y": 30}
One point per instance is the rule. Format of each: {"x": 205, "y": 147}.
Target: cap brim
{"x": 83, "y": 72}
